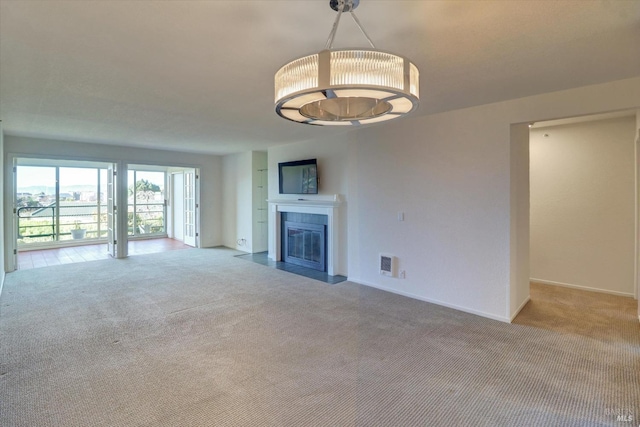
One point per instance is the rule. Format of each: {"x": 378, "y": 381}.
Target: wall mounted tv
{"x": 299, "y": 177}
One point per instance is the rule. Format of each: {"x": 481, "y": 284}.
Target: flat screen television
{"x": 299, "y": 177}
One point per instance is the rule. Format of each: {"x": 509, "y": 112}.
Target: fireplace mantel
{"x": 306, "y": 202}
{"x": 330, "y": 208}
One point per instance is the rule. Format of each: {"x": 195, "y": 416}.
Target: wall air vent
{"x": 388, "y": 265}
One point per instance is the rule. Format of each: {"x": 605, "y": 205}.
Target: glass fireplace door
{"x": 304, "y": 245}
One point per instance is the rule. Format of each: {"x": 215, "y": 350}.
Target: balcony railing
{"x": 44, "y": 224}
{"x": 148, "y": 218}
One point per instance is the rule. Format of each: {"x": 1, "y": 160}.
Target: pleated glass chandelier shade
{"x": 346, "y": 86}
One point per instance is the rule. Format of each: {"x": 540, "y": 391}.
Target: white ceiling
{"x": 197, "y": 76}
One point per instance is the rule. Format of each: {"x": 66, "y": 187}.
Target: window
{"x": 146, "y": 210}
{"x": 56, "y": 203}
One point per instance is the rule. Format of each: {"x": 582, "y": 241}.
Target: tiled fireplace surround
{"x": 330, "y": 208}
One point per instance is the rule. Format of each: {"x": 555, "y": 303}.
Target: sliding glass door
{"x": 36, "y": 196}
{"x": 68, "y": 202}
{"x": 82, "y": 211}
{"x": 59, "y": 204}
{"x": 146, "y": 207}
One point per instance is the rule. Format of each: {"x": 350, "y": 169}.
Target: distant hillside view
{"x": 48, "y": 190}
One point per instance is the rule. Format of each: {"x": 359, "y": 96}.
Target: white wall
{"x": 335, "y": 165}
{"x": 583, "y": 205}
{"x": 2, "y": 232}
{"x": 260, "y": 187}
{"x": 519, "y": 231}
{"x": 637, "y": 232}
{"x": 210, "y": 173}
{"x": 450, "y": 175}
{"x": 237, "y": 201}
{"x": 242, "y": 198}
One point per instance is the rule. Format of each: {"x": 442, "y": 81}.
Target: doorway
{"x": 521, "y": 225}
{"x": 184, "y": 212}
{"x": 146, "y": 202}
{"x": 582, "y": 210}
{"x": 59, "y": 203}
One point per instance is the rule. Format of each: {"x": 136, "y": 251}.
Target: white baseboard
{"x": 513, "y": 316}
{"x": 431, "y": 300}
{"x": 583, "y": 288}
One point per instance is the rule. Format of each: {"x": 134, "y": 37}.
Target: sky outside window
{"x": 153, "y": 177}
{"x": 78, "y": 176}
{"x": 37, "y": 179}
{"x": 36, "y": 176}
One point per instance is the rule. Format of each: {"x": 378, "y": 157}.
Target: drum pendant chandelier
{"x": 346, "y": 86}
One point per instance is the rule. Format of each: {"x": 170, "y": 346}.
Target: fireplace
{"x": 281, "y": 210}
{"x": 304, "y": 245}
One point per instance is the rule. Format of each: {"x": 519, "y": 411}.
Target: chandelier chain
{"x": 336, "y": 23}
{"x": 334, "y": 29}
{"x": 364, "y": 33}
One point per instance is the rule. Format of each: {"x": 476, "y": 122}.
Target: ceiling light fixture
{"x": 346, "y": 86}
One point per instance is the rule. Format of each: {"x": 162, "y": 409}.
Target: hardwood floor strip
{"x": 92, "y": 252}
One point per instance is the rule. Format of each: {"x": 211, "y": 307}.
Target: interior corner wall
{"x": 237, "y": 201}
{"x": 260, "y": 188}
{"x": 2, "y": 232}
{"x": 519, "y": 291}
{"x": 637, "y": 233}
{"x": 583, "y": 205}
{"x": 210, "y": 172}
{"x": 451, "y": 175}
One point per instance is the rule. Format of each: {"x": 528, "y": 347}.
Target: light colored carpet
{"x": 200, "y": 338}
